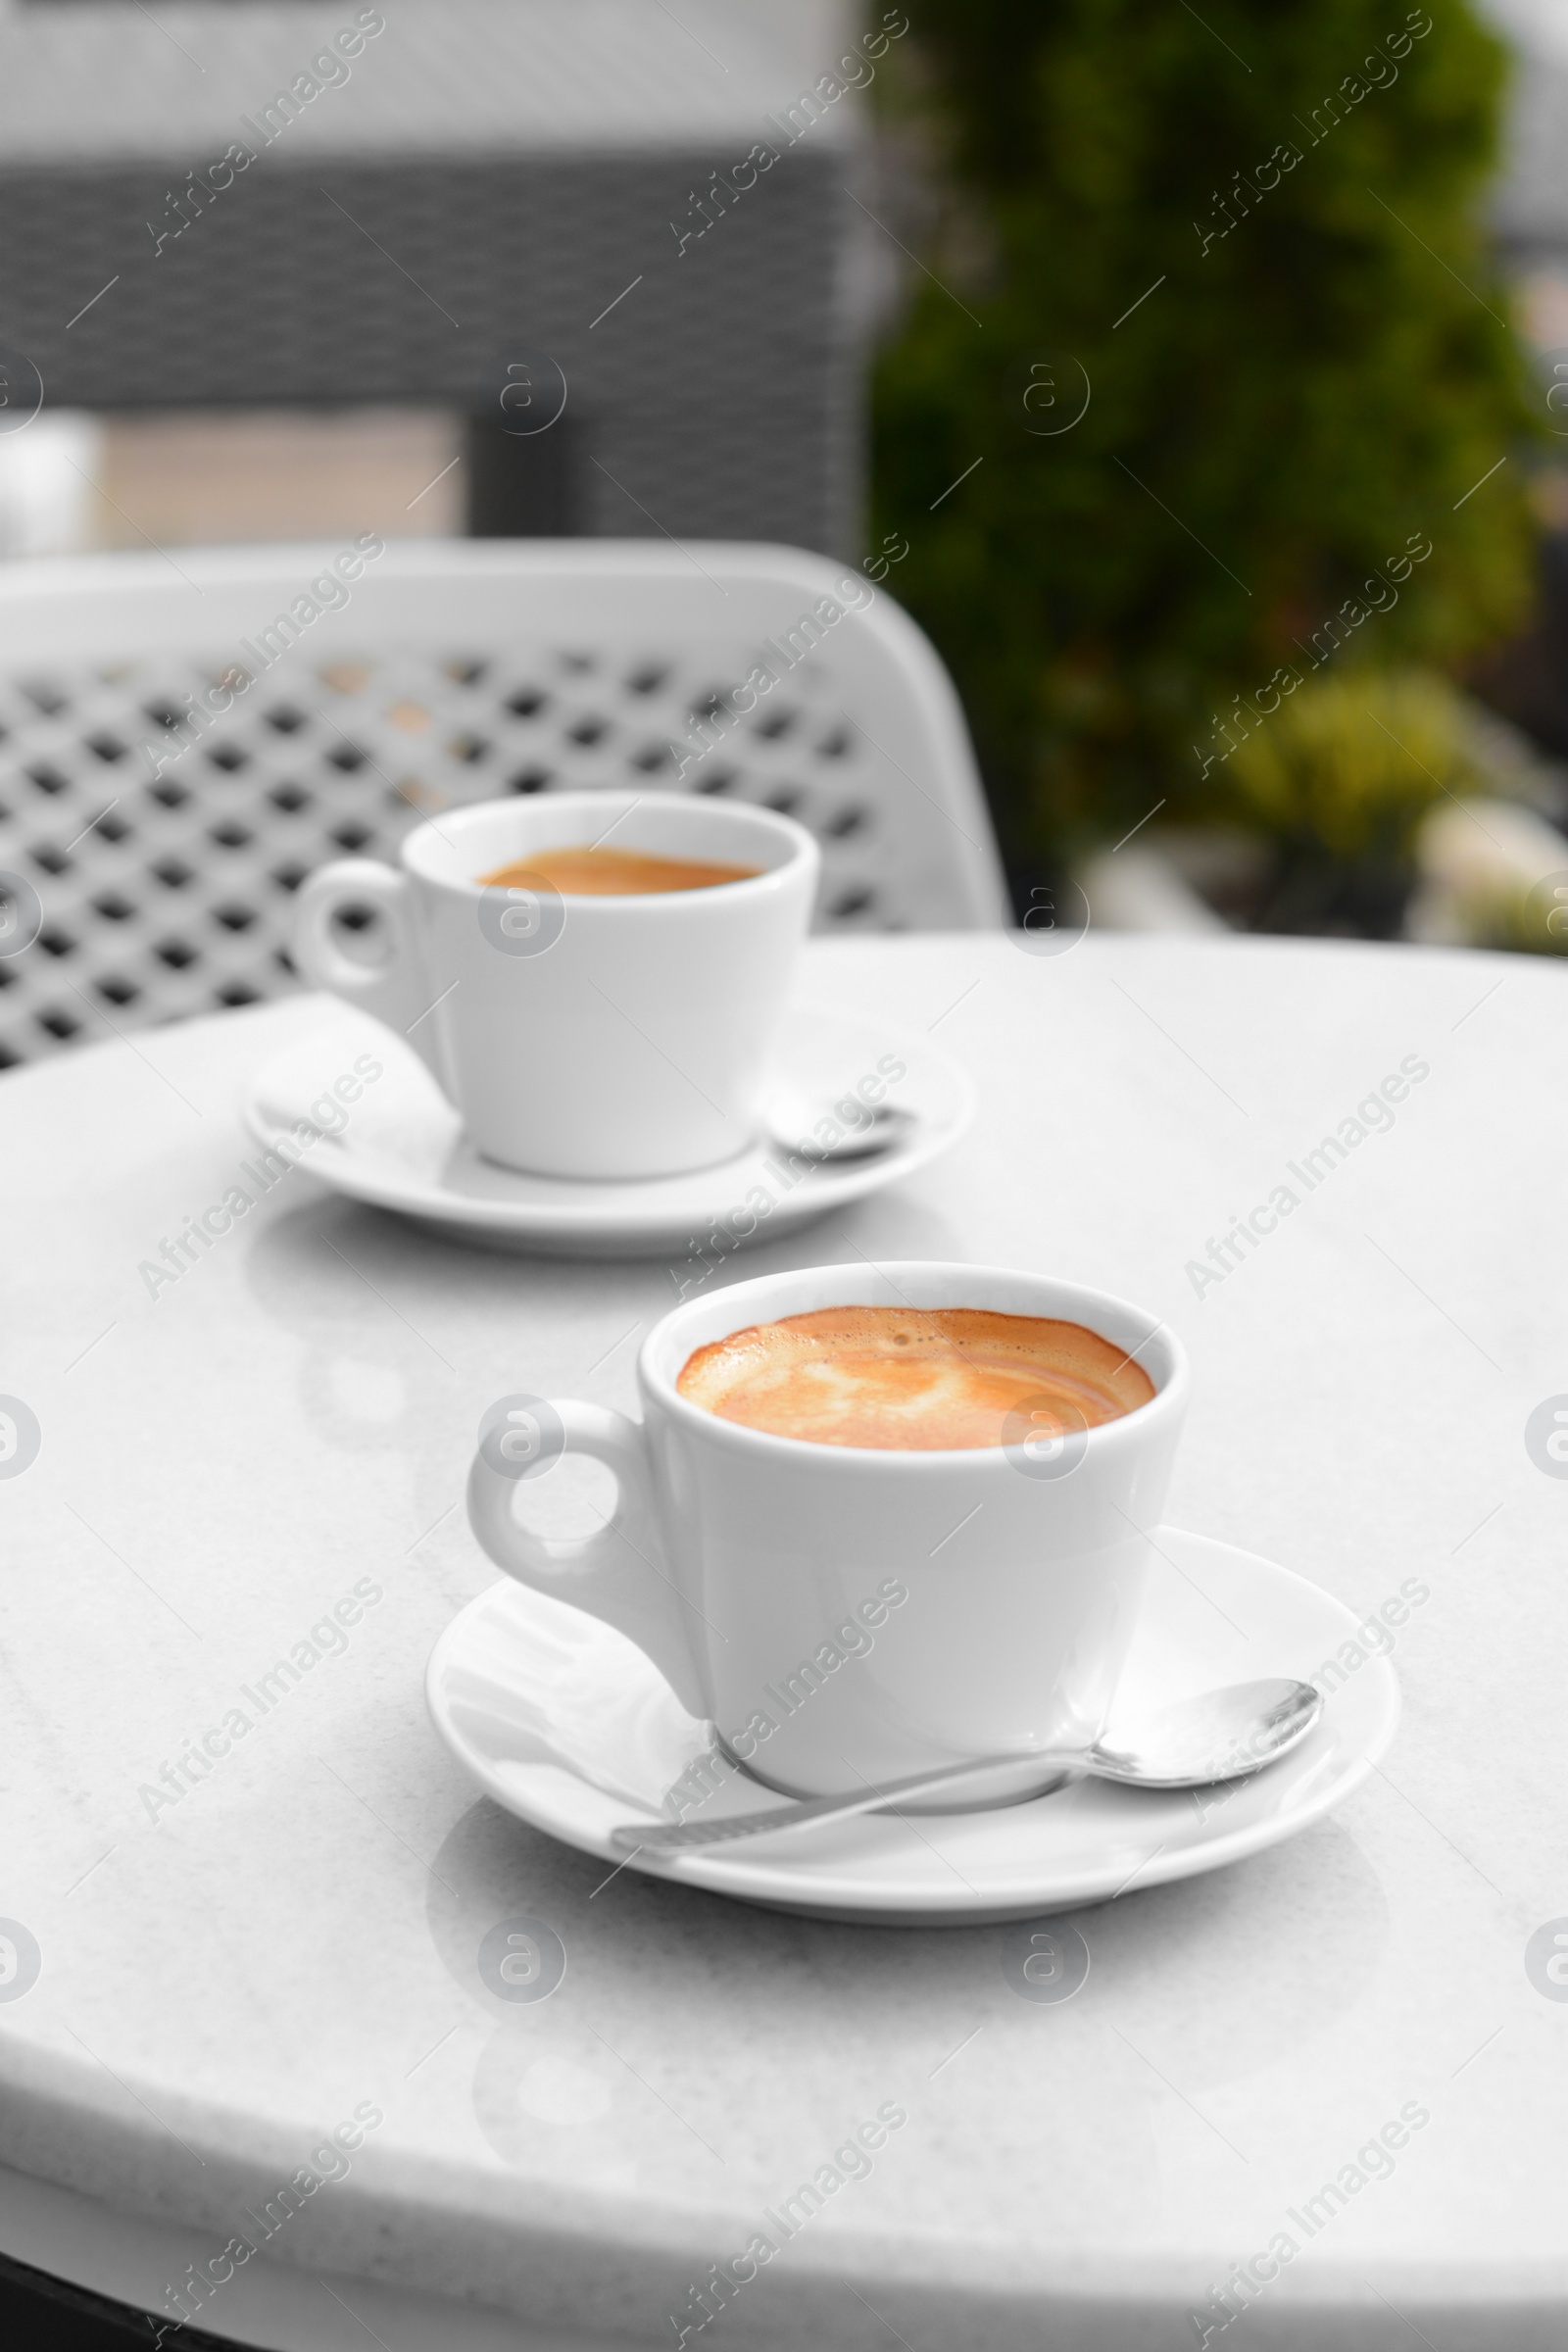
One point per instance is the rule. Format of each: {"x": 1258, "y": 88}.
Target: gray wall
{"x": 721, "y": 394}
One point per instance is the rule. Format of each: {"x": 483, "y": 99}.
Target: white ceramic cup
{"x": 574, "y": 1036}
{"x": 844, "y": 1614}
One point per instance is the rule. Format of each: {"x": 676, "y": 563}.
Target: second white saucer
{"x": 403, "y": 1147}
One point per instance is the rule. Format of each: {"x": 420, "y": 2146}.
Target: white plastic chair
{"x": 162, "y": 849}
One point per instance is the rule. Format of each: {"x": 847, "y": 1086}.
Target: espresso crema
{"x": 918, "y": 1379}
{"x": 589, "y": 871}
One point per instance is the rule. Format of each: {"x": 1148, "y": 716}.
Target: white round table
{"x": 285, "y": 1947}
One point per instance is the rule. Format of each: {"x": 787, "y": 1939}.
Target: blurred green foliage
{"x": 1355, "y": 761}
{"x": 1287, "y": 381}
{"x": 1338, "y": 780}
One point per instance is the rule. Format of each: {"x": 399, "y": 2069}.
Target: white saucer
{"x": 566, "y": 1724}
{"x": 403, "y": 1147}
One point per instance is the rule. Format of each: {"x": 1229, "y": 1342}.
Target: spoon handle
{"x": 673, "y": 1837}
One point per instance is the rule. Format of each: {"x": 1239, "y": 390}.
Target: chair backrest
{"x": 182, "y": 739}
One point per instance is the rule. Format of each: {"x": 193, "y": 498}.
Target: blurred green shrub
{"x": 1355, "y": 763}
{"x": 1338, "y": 780}
{"x": 1293, "y": 366}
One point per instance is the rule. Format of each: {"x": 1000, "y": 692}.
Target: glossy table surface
{"x": 225, "y": 1978}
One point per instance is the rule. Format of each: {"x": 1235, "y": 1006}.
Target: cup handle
{"x": 617, "y": 1574}
{"x": 394, "y": 990}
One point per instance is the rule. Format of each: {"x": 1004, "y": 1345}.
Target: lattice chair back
{"x": 183, "y": 738}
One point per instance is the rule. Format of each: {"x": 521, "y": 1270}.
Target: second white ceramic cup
{"x": 845, "y": 1615}
{"x": 580, "y": 1037}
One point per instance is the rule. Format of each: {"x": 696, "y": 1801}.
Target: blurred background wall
{"x": 1199, "y": 380}
{"x": 504, "y": 265}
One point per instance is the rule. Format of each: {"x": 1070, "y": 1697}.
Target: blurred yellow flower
{"x": 1351, "y": 764}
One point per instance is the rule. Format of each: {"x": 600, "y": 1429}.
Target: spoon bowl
{"x": 1221, "y": 1735}
{"x": 793, "y": 1118}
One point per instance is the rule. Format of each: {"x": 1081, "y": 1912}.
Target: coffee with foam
{"x": 915, "y": 1379}
{"x": 587, "y": 870}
